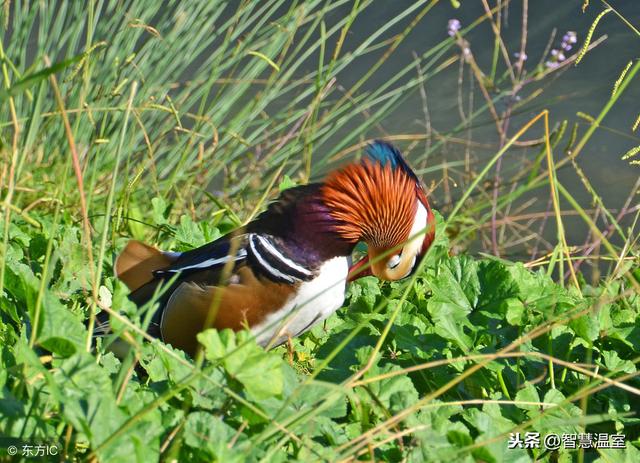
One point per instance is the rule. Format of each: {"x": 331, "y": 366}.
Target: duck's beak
{"x": 360, "y": 269}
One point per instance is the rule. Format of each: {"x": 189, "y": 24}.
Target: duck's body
{"x": 288, "y": 269}
{"x": 278, "y": 283}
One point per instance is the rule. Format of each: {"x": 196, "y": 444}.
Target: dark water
{"x": 584, "y": 88}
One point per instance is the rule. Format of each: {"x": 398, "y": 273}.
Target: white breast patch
{"x": 314, "y": 302}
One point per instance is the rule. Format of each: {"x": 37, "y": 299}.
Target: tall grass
{"x": 176, "y": 122}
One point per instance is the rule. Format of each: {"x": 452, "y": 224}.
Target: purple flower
{"x": 557, "y": 54}
{"x": 524, "y": 56}
{"x": 568, "y": 40}
{"x": 570, "y": 37}
{"x": 453, "y": 27}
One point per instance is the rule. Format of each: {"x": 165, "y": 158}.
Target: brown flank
{"x": 243, "y": 304}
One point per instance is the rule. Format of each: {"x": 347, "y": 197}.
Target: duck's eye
{"x": 394, "y": 261}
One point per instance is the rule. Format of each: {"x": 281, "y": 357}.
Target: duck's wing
{"x": 211, "y": 256}
{"x": 261, "y": 277}
{"x": 144, "y": 268}
{"x": 247, "y": 301}
{"x": 153, "y": 274}
{"x": 263, "y": 280}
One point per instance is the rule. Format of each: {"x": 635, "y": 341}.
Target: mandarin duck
{"x": 287, "y": 270}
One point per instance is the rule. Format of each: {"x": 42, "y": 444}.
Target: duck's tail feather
{"x": 137, "y": 262}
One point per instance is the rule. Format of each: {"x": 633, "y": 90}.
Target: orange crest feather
{"x": 372, "y": 203}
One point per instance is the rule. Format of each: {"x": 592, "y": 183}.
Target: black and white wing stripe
{"x": 208, "y": 257}
{"x": 260, "y": 251}
{"x": 205, "y": 263}
{"x": 264, "y": 255}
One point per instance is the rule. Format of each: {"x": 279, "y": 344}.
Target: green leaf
{"x": 259, "y": 372}
{"x": 60, "y": 332}
{"x": 628, "y": 455}
{"x": 531, "y": 285}
{"x": 496, "y": 286}
{"x": 162, "y": 366}
{"x": 189, "y": 233}
{"x": 457, "y": 282}
{"x": 394, "y": 393}
{"x": 364, "y": 293}
{"x": 586, "y": 326}
{"x": 209, "y": 434}
{"x": 23, "y": 286}
{"x": 137, "y": 221}
{"x": 613, "y": 362}
{"x": 514, "y": 311}
{"x": 450, "y": 321}
{"x": 158, "y": 211}
{"x": 75, "y": 274}
{"x": 286, "y": 183}
{"x": 90, "y": 406}
{"x": 565, "y": 418}
{"x": 528, "y": 393}
{"x": 490, "y": 423}
{"x": 456, "y": 289}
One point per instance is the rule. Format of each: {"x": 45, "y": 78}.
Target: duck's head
{"x": 381, "y": 201}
